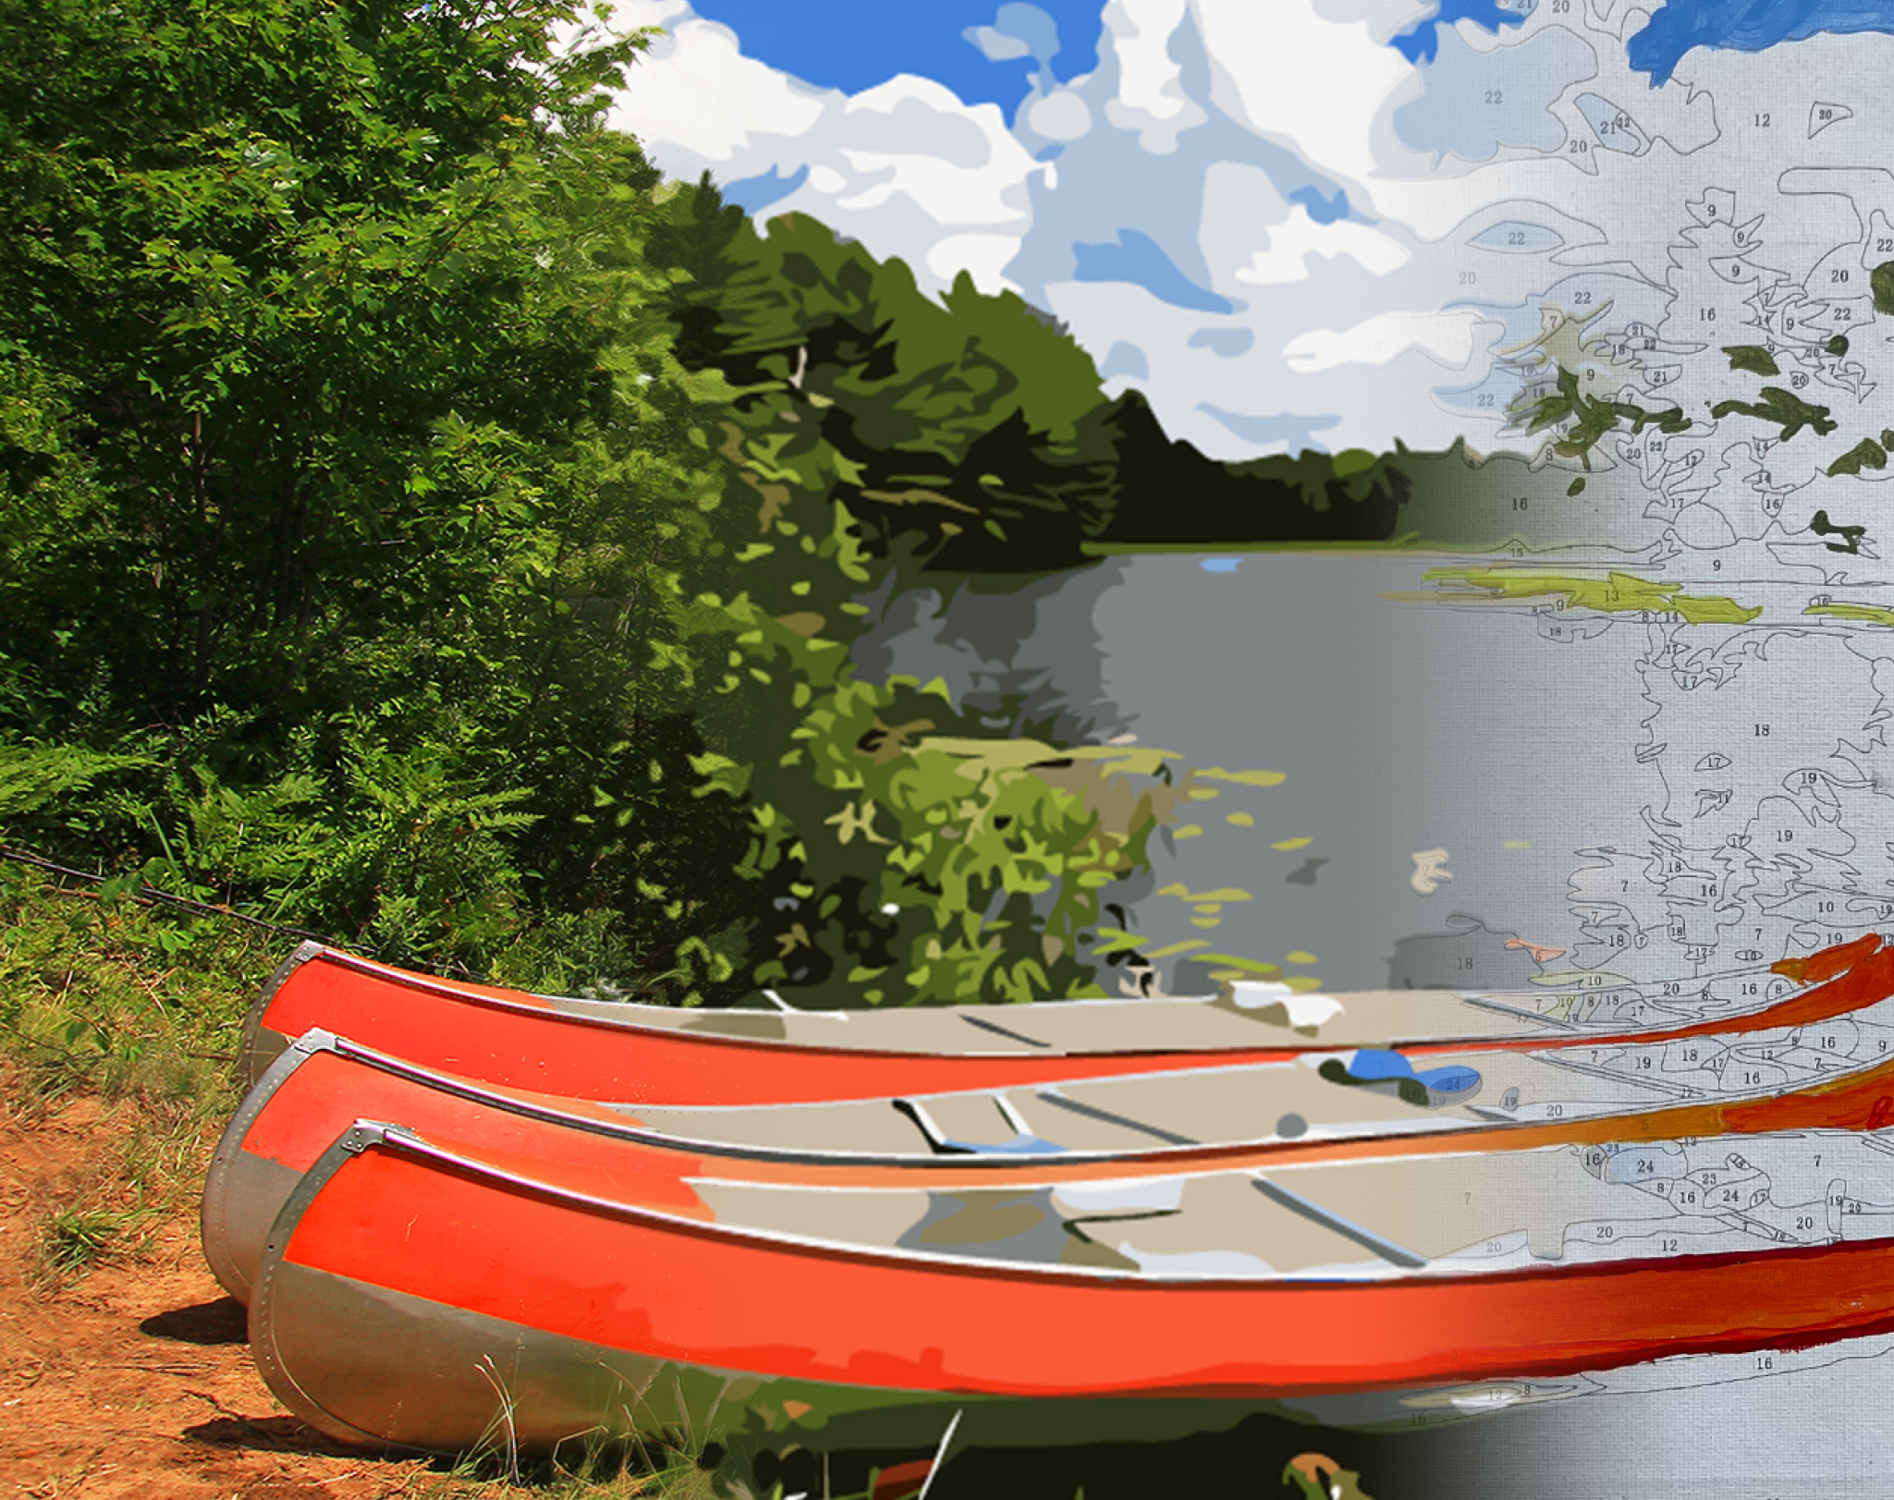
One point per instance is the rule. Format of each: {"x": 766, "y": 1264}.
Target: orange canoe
{"x": 1833, "y": 1074}
{"x": 426, "y": 1293}
{"x": 658, "y": 1055}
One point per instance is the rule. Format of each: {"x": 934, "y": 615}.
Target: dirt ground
{"x": 134, "y": 1379}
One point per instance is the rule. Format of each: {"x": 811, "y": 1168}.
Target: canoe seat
{"x": 1023, "y": 1143}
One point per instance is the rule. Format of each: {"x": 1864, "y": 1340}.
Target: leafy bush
{"x": 347, "y": 474}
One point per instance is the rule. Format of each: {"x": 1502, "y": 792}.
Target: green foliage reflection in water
{"x": 1614, "y": 593}
{"x": 912, "y": 856}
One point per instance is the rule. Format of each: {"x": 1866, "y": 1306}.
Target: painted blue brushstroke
{"x": 1745, "y": 26}
{"x": 1322, "y": 210}
{"x": 1371, "y": 1065}
{"x": 754, "y": 194}
{"x": 1421, "y": 42}
{"x": 1450, "y": 1080}
{"x": 1221, "y": 564}
{"x": 857, "y": 44}
{"x": 1140, "y": 260}
{"x": 1296, "y": 432}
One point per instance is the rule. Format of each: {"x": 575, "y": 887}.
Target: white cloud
{"x": 696, "y": 101}
{"x": 1150, "y": 97}
{"x": 1293, "y": 75}
{"x": 1296, "y": 238}
{"x": 1293, "y": 105}
{"x": 982, "y": 256}
{"x": 961, "y": 165}
{"x": 1448, "y": 337}
{"x": 906, "y": 166}
{"x": 1060, "y": 116}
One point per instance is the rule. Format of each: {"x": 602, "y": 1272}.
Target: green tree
{"x": 344, "y": 439}
{"x": 965, "y": 417}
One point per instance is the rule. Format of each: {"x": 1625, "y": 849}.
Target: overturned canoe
{"x": 420, "y": 1293}
{"x": 643, "y": 1054}
{"x": 1839, "y": 1073}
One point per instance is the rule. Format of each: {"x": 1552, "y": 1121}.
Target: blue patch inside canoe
{"x": 1376, "y": 1066}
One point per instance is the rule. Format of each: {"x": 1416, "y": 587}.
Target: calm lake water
{"x": 1657, "y": 799}
{"x": 1401, "y": 729}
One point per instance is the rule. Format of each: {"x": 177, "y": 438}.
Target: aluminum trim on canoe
{"x": 560, "y": 1390}
{"x": 221, "y": 1195}
{"x": 367, "y": 1135}
{"x": 669, "y": 1411}
{"x": 257, "y": 1046}
{"x": 1165, "y": 1153}
{"x": 282, "y": 1383}
{"x": 317, "y": 1041}
{"x": 634, "y": 1014}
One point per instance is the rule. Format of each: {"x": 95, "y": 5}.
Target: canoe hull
{"x": 413, "y": 1297}
{"x": 648, "y": 1055}
{"x": 563, "y": 1393}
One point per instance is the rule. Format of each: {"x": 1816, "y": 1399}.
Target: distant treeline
{"x": 975, "y": 425}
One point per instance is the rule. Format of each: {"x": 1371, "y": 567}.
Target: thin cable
{"x": 150, "y": 895}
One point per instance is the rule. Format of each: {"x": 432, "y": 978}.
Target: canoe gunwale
{"x": 316, "y": 1041}
{"x": 1182, "y": 1154}
{"x": 231, "y": 1234}
{"x": 380, "y": 1135}
{"x": 1456, "y": 1139}
{"x": 552, "y": 1008}
{"x": 368, "y": 1136}
{"x": 372, "y": 1135}
{"x": 252, "y": 1061}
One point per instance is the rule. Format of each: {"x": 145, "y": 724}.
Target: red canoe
{"x": 1839, "y": 1074}
{"x": 652, "y": 1055}
{"x": 424, "y": 1293}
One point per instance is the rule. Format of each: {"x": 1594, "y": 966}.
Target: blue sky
{"x": 1189, "y": 189}
{"x": 856, "y": 44}
{"x": 1263, "y": 213}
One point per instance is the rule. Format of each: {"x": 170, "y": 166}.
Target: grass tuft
{"x": 80, "y": 1238}
{"x": 101, "y": 996}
